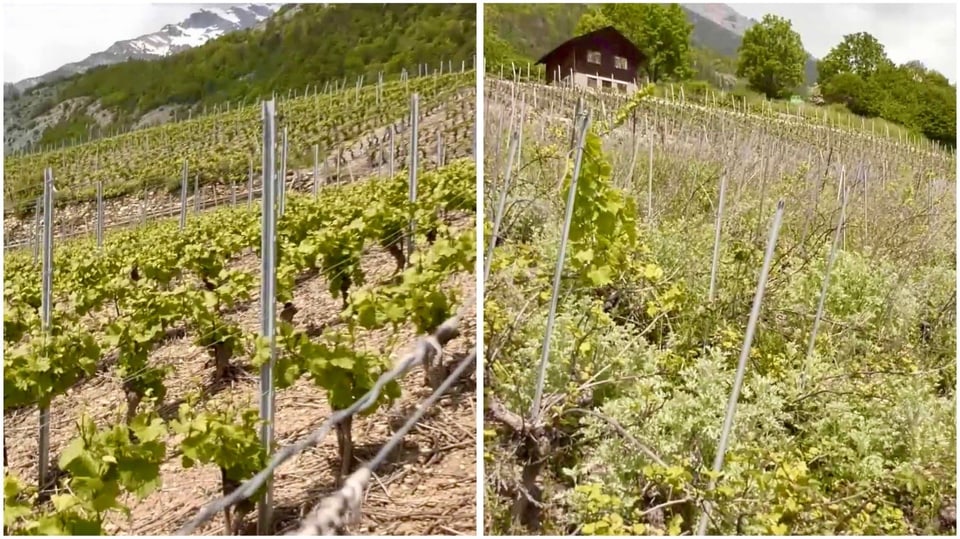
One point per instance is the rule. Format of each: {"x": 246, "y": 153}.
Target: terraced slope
{"x": 348, "y": 150}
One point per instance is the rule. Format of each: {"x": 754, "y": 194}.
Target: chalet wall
{"x": 607, "y": 67}
{"x": 605, "y": 83}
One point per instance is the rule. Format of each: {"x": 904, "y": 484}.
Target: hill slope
{"x": 298, "y": 46}
{"x": 31, "y": 106}
{"x": 197, "y": 29}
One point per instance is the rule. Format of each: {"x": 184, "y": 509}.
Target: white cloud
{"x": 925, "y": 32}
{"x": 38, "y": 37}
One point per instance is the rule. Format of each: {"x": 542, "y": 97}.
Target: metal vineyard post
{"x": 267, "y": 306}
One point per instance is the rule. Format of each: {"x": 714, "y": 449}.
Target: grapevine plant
{"x": 228, "y": 438}
{"x": 101, "y": 465}
{"x": 148, "y": 284}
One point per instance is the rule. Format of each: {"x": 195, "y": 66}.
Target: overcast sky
{"x": 925, "y": 32}
{"x": 40, "y": 37}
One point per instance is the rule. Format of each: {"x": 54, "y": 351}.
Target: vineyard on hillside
{"x": 150, "y": 364}
{"x": 704, "y": 242}
{"x": 350, "y": 129}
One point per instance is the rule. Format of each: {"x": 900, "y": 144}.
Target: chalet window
{"x": 591, "y": 82}
{"x": 622, "y": 87}
{"x": 607, "y": 84}
{"x": 593, "y": 57}
{"x": 619, "y": 62}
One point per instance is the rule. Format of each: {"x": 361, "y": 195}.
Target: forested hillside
{"x": 301, "y": 45}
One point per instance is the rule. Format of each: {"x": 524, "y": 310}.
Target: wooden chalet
{"x": 604, "y": 58}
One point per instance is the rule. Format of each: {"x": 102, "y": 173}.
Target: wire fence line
{"x": 427, "y": 348}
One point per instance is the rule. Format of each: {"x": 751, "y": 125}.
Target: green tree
{"x": 911, "y": 95}
{"x": 660, "y": 31}
{"x": 771, "y": 57}
{"x": 497, "y": 52}
{"x": 896, "y": 94}
{"x": 860, "y": 54}
{"x": 848, "y": 89}
{"x": 592, "y": 19}
{"x": 938, "y": 114}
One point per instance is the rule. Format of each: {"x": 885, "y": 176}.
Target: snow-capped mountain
{"x": 208, "y": 23}
{"x": 722, "y": 15}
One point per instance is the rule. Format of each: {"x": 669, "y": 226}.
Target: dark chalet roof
{"x": 607, "y": 34}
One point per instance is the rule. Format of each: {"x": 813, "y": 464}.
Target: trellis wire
{"x": 36, "y": 229}
{"x": 866, "y": 221}
{"x": 381, "y": 157}
{"x": 742, "y": 363}
{"x": 555, "y": 294}
{"x": 497, "y": 147}
{"x": 520, "y": 122}
{"x": 650, "y": 184}
{"x": 392, "y": 150}
{"x": 282, "y": 178}
{"x": 196, "y": 193}
{"x": 339, "y": 159}
{"x": 379, "y": 86}
{"x": 426, "y": 348}
{"x": 716, "y": 239}
{"x": 334, "y": 512}
{"x": 439, "y": 148}
{"x": 763, "y": 196}
{"x": 250, "y": 185}
{"x": 267, "y": 307}
{"x": 316, "y": 169}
